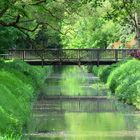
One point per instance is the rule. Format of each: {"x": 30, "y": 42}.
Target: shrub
{"x": 121, "y": 72}
{"x": 135, "y": 53}
{"x": 103, "y": 74}
{"x": 127, "y": 90}
{"x": 95, "y": 70}
{"x": 104, "y": 71}
{"x": 123, "y": 79}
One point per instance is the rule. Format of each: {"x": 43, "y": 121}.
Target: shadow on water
{"x": 80, "y": 118}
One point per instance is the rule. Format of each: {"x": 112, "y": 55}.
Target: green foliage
{"x": 90, "y": 32}
{"x": 94, "y": 26}
{"x": 8, "y": 37}
{"x": 7, "y": 122}
{"x": 122, "y": 10}
{"x": 106, "y": 70}
{"x": 34, "y": 73}
{"x": 74, "y": 24}
{"x": 21, "y": 22}
{"x": 18, "y": 84}
{"x": 129, "y": 91}
{"x": 10, "y": 137}
{"x": 103, "y": 71}
{"x": 121, "y": 72}
{"x": 95, "y": 70}
{"x": 124, "y": 79}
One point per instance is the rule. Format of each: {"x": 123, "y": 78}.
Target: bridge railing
{"x": 71, "y": 54}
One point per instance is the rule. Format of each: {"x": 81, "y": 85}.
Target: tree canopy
{"x": 68, "y": 23}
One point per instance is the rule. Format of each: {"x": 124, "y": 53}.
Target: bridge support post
{"x": 59, "y": 54}
{"x": 42, "y": 63}
{"x": 98, "y": 58}
{"x": 116, "y": 55}
{"x": 79, "y": 63}
{"x": 23, "y": 55}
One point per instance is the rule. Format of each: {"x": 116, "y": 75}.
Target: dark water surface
{"x": 84, "y": 118}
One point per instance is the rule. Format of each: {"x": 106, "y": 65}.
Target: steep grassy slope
{"x": 18, "y": 85}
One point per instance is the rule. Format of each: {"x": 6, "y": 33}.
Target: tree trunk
{"x": 137, "y": 28}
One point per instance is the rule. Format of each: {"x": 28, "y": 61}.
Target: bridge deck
{"x": 70, "y": 56}
{"x": 70, "y": 62}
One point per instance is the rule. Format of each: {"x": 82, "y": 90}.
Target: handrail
{"x": 67, "y": 55}
{"x": 102, "y": 49}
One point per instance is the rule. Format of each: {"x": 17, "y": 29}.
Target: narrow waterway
{"x": 75, "y": 107}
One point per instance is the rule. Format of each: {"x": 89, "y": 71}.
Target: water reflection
{"x": 80, "y": 119}
{"x": 86, "y": 119}
{"x": 72, "y": 81}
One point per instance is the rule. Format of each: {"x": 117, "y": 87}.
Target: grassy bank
{"x": 18, "y": 90}
{"x": 123, "y": 79}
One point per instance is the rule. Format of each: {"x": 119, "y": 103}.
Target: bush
{"x": 121, "y": 72}
{"x": 127, "y": 90}
{"x": 104, "y": 71}
{"x": 124, "y": 81}
{"x": 103, "y": 74}
{"x": 135, "y": 53}
{"x": 95, "y": 70}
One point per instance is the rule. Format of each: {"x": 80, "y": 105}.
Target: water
{"x": 81, "y": 118}
{"x": 71, "y": 81}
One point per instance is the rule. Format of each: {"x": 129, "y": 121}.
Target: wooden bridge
{"x": 69, "y": 56}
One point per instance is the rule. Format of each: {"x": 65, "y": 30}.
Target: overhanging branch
{"x": 39, "y": 2}
{"x": 2, "y": 23}
{"x": 27, "y": 29}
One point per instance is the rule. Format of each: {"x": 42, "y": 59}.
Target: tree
{"x": 89, "y": 27}
{"x": 81, "y": 23}
{"x": 126, "y": 12}
{"x": 28, "y": 17}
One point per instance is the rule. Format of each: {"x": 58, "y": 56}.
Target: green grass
{"x": 10, "y": 137}
{"x": 18, "y": 84}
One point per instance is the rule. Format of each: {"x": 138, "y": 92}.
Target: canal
{"x": 73, "y": 105}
